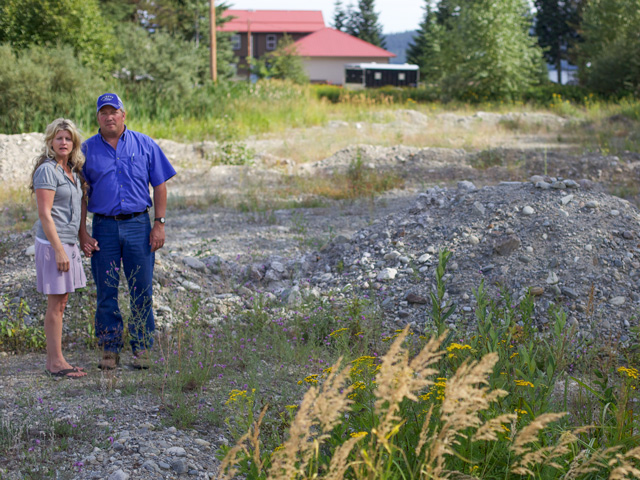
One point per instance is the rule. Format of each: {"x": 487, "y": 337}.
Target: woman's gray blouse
{"x": 66, "y": 202}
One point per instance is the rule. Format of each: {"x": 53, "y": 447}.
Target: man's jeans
{"x": 126, "y": 243}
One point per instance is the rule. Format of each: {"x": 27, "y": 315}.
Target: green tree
{"x": 486, "y": 49}
{"x": 556, "y": 27}
{"x": 340, "y": 16}
{"x": 365, "y": 22}
{"x": 283, "y": 63}
{"x": 77, "y": 23}
{"x": 41, "y": 83}
{"x": 165, "y": 67}
{"x": 188, "y": 20}
{"x": 424, "y": 50}
{"x": 609, "y": 56}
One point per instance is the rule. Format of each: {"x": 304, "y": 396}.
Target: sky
{"x": 394, "y": 15}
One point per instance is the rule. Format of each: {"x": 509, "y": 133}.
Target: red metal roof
{"x": 273, "y": 21}
{"x": 329, "y": 42}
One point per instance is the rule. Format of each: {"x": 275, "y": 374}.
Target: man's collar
{"x": 122, "y": 137}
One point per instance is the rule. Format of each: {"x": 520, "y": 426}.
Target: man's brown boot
{"x": 141, "y": 360}
{"x": 109, "y": 361}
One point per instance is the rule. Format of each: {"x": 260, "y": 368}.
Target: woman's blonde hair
{"x": 76, "y": 157}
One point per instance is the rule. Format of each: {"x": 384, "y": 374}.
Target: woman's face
{"x": 62, "y": 144}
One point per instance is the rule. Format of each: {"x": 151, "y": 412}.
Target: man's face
{"x": 111, "y": 121}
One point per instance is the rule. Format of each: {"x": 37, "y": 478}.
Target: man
{"x": 120, "y": 164}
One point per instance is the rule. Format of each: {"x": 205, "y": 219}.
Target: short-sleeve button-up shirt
{"x": 65, "y": 210}
{"x": 119, "y": 178}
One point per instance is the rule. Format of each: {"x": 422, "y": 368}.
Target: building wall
{"x": 259, "y": 47}
{"x": 331, "y": 69}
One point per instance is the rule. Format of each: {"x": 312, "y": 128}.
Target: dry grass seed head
{"x": 318, "y": 409}
{"x": 463, "y": 400}
{"x": 523, "y": 445}
{"x": 588, "y": 462}
{"x": 231, "y": 458}
{"x": 487, "y": 431}
{"x": 339, "y": 465}
{"x": 397, "y": 379}
{"x": 626, "y": 468}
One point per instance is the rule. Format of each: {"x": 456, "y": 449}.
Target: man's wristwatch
{"x": 159, "y": 219}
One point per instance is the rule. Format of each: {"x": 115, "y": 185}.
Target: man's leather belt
{"x": 123, "y": 216}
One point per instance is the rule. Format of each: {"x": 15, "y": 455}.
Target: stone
{"x": 425, "y": 257}
{"x": 119, "y": 475}
{"x": 412, "y": 297}
{"x": 527, "y": 210}
{"x": 566, "y": 199}
{"x": 552, "y": 278}
{"x": 536, "y": 291}
{"x": 176, "y": 451}
{"x": 506, "y": 245}
{"x": 387, "y": 274}
{"x": 195, "y": 263}
{"x": 180, "y": 466}
{"x": 617, "y": 301}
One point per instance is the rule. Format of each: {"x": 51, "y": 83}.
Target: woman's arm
{"x": 44, "y": 199}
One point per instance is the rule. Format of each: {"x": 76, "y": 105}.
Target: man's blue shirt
{"x": 119, "y": 179}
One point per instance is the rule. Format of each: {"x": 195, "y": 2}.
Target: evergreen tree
{"x": 486, "y": 49}
{"x": 368, "y": 27}
{"x": 425, "y": 47}
{"x": 340, "y": 16}
{"x": 556, "y": 27}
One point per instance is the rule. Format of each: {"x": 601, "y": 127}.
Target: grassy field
{"x": 322, "y": 390}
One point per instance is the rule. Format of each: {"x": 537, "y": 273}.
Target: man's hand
{"x": 88, "y": 244}
{"x": 156, "y": 239}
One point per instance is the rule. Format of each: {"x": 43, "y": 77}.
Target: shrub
{"x": 41, "y": 84}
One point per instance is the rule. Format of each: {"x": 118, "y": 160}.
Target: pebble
{"x": 119, "y": 475}
{"x": 617, "y": 301}
{"x": 387, "y": 274}
{"x": 528, "y": 210}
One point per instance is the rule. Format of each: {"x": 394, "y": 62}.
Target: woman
{"x": 56, "y": 181}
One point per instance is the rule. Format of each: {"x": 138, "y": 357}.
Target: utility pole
{"x": 213, "y": 46}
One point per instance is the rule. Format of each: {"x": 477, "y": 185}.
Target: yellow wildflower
{"x": 629, "y": 372}
{"x": 524, "y": 383}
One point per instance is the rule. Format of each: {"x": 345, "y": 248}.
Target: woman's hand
{"x": 62, "y": 261}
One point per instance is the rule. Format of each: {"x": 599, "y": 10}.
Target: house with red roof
{"x": 257, "y": 32}
{"x": 324, "y": 51}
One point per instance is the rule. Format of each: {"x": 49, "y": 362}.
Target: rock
{"x": 528, "y": 210}
{"x": 506, "y": 245}
{"x": 479, "y": 208}
{"x": 536, "y": 291}
{"x": 176, "y": 451}
{"x": 194, "y": 263}
{"x": 387, "y": 274}
{"x": 566, "y": 199}
{"x": 415, "y": 298}
{"x": 119, "y": 475}
{"x": 552, "y": 278}
{"x": 617, "y": 301}
{"x": 179, "y": 465}
{"x": 31, "y": 251}
{"x": 466, "y": 186}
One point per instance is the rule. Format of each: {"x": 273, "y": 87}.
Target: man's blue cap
{"x": 110, "y": 99}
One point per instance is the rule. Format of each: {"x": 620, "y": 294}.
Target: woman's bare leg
{"x": 53, "y": 331}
